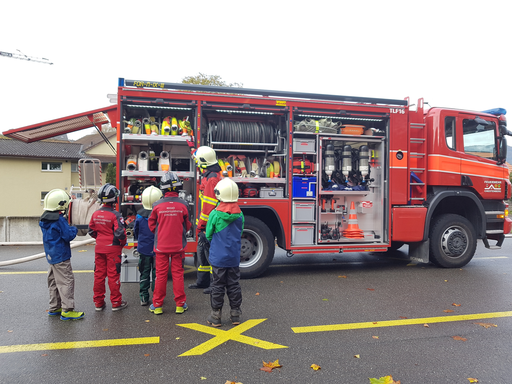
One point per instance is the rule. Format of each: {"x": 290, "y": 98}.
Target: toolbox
{"x": 303, "y": 234}
{"x": 130, "y": 270}
{"x": 271, "y": 193}
{"x": 304, "y": 186}
{"x": 303, "y": 211}
{"x": 304, "y": 145}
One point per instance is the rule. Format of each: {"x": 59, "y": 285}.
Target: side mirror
{"x": 502, "y": 157}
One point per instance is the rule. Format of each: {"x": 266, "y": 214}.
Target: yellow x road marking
{"x": 222, "y": 336}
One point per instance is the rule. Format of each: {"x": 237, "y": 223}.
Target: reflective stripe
{"x": 204, "y": 268}
{"x": 204, "y": 217}
{"x": 210, "y": 200}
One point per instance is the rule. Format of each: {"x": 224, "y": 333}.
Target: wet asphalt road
{"x": 303, "y": 291}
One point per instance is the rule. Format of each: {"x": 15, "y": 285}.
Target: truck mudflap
{"x": 419, "y": 251}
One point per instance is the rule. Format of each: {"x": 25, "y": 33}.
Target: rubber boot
{"x": 215, "y": 317}
{"x": 235, "y": 315}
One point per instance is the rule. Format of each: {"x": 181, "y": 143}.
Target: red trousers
{"x": 162, "y": 270}
{"x": 107, "y": 264}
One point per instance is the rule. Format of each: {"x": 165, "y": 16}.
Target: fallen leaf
{"x": 344, "y": 277}
{"x": 177, "y": 338}
{"x": 357, "y": 356}
{"x": 374, "y": 322}
{"x": 384, "y": 380}
{"x": 83, "y": 250}
{"x": 472, "y": 380}
{"x": 446, "y": 281}
{"x": 146, "y": 354}
{"x": 425, "y": 325}
{"x": 203, "y": 378}
{"x": 281, "y": 282}
{"x": 105, "y": 329}
{"x": 402, "y": 317}
{"x": 456, "y": 305}
{"x": 315, "y": 367}
{"x": 44, "y": 354}
{"x": 375, "y": 337}
{"x": 231, "y": 382}
{"x": 257, "y": 294}
{"x": 370, "y": 289}
{"x": 9, "y": 330}
{"x": 486, "y": 325}
{"x": 147, "y": 321}
{"x": 325, "y": 299}
{"x": 268, "y": 367}
{"x": 459, "y": 338}
{"x": 448, "y": 310}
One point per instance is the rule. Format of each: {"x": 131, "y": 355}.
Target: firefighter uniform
{"x": 108, "y": 228}
{"x": 169, "y": 222}
{"x": 208, "y": 201}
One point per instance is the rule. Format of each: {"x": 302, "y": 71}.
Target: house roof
{"x": 94, "y": 139}
{"x": 54, "y": 149}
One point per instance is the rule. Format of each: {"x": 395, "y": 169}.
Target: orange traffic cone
{"x": 353, "y": 231}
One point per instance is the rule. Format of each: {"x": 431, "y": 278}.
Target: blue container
{"x": 304, "y": 186}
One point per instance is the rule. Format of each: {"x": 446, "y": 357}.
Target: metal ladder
{"x": 417, "y": 157}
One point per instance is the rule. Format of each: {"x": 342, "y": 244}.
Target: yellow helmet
{"x": 56, "y": 200}
{"x": 149, "y": 196}
{"x": 205, "y": 156}
{"x": 226, "y": 191}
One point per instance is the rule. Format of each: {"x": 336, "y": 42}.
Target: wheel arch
{"x": 270, "y": 217}
{"x": 460, "y": 202}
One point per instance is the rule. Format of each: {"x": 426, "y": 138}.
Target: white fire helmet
{"x": 205, "y": 156}
{"x": 56, "y": 200}
{"x": 226, "y": 191}
{"x": 149, "y": 196}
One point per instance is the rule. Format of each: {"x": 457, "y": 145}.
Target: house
{"x": 29, "y": 170}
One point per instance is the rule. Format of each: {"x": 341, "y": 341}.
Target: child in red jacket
{"x": 108, "y": 228}
{"x": 169, "y": 222}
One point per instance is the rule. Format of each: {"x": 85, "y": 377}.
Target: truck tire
{"x": 258, "y": 248}
{"x": 452, "y": 241}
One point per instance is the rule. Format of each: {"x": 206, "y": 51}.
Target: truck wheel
{"x": 257, "y": 248}
{"x": 452, "y": 241}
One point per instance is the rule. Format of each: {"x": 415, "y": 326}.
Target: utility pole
{"x": 22, "y": 56}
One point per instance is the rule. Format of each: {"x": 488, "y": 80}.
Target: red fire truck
{"x": 324, "y": 173}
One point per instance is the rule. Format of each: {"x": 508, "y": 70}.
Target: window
{"x": 74, "y": 167}
{"x": 43, "y": 194}
{"x": 51, "y": 167}
{"x": 449, "y": 132}
{"x": 479, "y": 137}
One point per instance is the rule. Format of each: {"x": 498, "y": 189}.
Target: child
{"x": 56, "y": 237}
{"x": 108, "y": 228}
{"x": 145, "y": 245}
{"x": 169, "y": 222}
{"x": 224, "y": 231}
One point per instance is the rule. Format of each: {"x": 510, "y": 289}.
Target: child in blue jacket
{"x": 145, "y": 246}
{"x": 57, "y": 234}
{"x": 224, "y": 231}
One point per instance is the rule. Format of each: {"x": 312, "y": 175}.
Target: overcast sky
{"x": 452, "y": 53}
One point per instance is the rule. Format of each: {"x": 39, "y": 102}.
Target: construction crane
{"x": 22, "y": 56}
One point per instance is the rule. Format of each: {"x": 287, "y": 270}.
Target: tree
{"x": 110, "y": 174}
{"x": 215, "y": 80}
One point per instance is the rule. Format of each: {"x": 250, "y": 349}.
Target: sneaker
{"x": 99, "y": 309}
{"x": 207, "y": 291}
{"x": 123, "y": 305}
{"x": 182, "y": 309}
{"x": 155, "y": 310}
{"x": 71, "y": 315}
{"x": 143, "y": 303}
{"x": 55, "y": 312}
